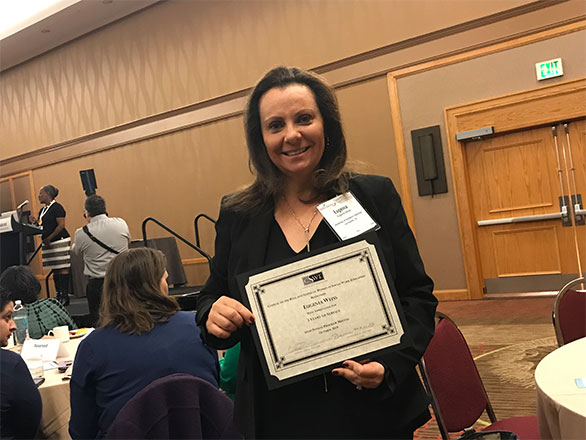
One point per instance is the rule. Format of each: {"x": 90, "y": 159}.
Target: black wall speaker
{"x": 88, "y": 181}
{"x": 429, "y": 161}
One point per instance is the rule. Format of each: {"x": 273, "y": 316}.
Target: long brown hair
{"x": 132, "y": 300}
{"x": 331, "y": 177}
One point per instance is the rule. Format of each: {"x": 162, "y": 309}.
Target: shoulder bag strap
{"x": 105, "y": 246}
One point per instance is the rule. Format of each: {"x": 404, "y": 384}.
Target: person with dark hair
{"x": 20, "y": 401}
{"x": 98, "y": 242}
{"x": 43, "y": 314}
{"x": 142, "y": 337}
{"x": 297, "y": 150}
{"x": 56, "y": 241}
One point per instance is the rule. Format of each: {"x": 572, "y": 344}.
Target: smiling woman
{"x": 292, "y": 130}
{"x": 297, "y": 150}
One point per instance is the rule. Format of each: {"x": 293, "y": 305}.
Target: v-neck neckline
{"x": 304, "y": 248}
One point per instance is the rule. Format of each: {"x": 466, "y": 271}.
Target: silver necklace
{"x": 305, "y": 228}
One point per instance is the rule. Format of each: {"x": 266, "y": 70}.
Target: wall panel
{"x": 171, "y": 178}
{"x": 368, "y": 129}
{"x": 177, "y": 176}
{"x": 180, "y": 52}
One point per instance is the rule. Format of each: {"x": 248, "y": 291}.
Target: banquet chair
{"x": 458, "y": 396}
{"x": 179, "y": 406}
{"x": 569, "y": 313}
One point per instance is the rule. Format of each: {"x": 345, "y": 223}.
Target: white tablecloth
{"x": 55, "y": 395}
{"x": 561, "y": 404}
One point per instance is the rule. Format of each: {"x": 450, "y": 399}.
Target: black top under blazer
{"x": 400, "y": 402}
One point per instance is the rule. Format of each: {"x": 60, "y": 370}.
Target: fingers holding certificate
{"x": 226, "y": 316}
{"x": 318, "y": 311}
{"x": 366, "y": 374}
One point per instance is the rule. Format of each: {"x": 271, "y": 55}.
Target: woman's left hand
{"x": 365, "y": 374}
{"x": 47, "y": 241}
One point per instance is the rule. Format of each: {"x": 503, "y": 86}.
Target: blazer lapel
{"x": 251, "y": 247}
{"x": 258, "y": 235}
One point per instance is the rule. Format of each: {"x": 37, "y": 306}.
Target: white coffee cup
{"x": 61, "y": 333}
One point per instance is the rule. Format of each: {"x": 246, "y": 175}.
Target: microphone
{"x": 22, "y": 204}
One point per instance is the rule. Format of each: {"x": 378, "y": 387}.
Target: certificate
{"x": 315, "y": 312}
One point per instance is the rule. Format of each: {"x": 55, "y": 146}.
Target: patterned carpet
{"x": 508, "y": 338}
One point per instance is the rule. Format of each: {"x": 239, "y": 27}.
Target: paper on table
{"x": 46, "y": 349}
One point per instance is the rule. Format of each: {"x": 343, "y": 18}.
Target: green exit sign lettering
{"x": 549, "y": 69}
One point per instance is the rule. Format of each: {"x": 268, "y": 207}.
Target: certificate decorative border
{"x": 280, "y": 371}
{"x": 279, "y": 362}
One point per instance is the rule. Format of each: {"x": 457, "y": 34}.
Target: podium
{"x": 13, "y": 237}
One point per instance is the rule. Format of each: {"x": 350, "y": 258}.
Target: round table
{"x": 55, "y": 395}
{"x": 561, "y": 404}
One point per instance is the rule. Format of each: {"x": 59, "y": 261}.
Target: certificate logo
{"x": 313, "y": 278}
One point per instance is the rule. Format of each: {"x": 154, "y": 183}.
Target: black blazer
{"x": 241, "y": 242}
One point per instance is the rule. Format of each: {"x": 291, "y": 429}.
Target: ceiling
{"x": 62, "y": 22}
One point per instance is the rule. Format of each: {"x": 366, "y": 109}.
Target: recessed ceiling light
{"x": 16, "y": 15}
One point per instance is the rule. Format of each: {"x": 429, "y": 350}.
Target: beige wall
{"x": 180, "y": 52}
{"x": 423, "y": 104}
{"x": 177, "y": 54}
{"x": 177, "y": 176}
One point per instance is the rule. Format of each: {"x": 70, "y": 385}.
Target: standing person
{"x": 298, "y": 151}
{"x": 56, "y": 241}
{"x": 20, "y": 401}
{"x": 43, "y": 314}
{"x": 98, "y": 242}
{"x": 142, "y": 337}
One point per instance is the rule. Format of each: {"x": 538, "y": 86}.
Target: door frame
{"x": 472, "y": 290}
{"x": 515, "y": 111}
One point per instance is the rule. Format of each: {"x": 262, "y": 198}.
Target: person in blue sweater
{"x": 20, "y": 401}
{"x": 142, "y": 336}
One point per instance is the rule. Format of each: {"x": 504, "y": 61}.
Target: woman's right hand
{"x": 226, "y": 316}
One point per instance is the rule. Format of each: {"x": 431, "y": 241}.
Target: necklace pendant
{"x": 305, "y": 228}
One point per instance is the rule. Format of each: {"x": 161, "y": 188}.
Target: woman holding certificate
{"x": 298, "y": 151}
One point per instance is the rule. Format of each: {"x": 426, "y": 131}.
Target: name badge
{"x": 346, "y": 216}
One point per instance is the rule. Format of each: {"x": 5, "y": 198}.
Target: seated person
{"x": 229, "y": 370}
{"x": 20, "y": 401}
{"x": 142, "y": 336}
{"x": 43, "y": 314}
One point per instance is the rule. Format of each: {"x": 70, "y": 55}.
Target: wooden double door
{"x": 527, "y": 190}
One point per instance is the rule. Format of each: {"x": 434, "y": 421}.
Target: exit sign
{"x": 549, "y": 69}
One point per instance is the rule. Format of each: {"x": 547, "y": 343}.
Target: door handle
{"x": 564, "y": 215}
{"x": 523, "y": 219}
{"x": 579, "y": 211}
